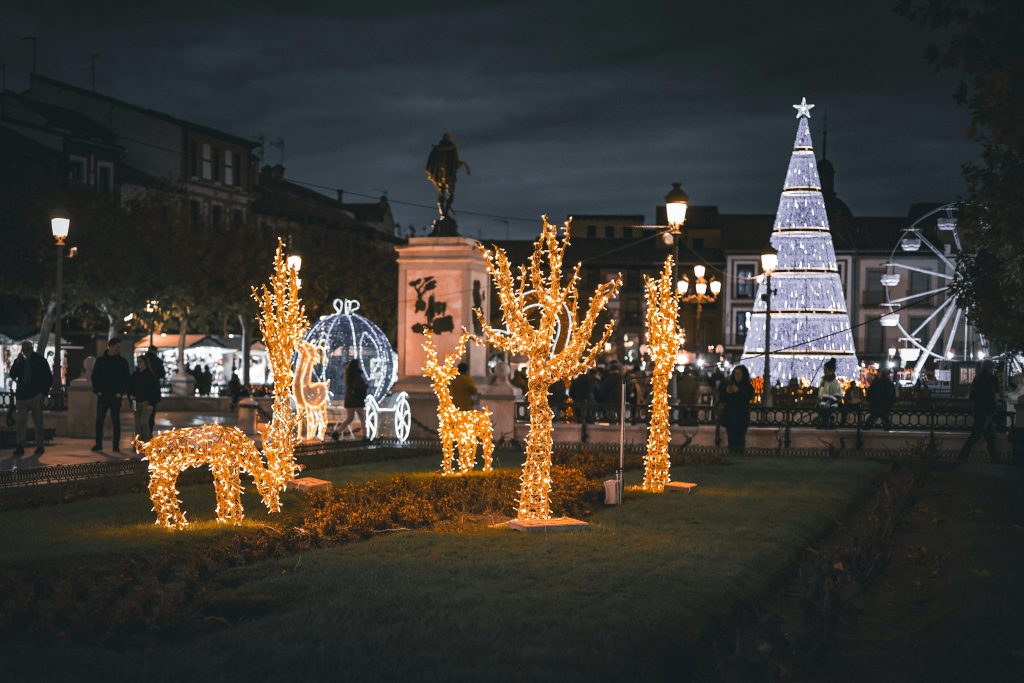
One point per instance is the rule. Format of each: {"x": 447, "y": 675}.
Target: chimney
{"x": 341, "y": 196}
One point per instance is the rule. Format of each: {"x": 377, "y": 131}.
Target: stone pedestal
{"x": 501, "y": 399}
{"x": 81, "y": 420}
{"x": 558, "y": 524}
{"x": 183, "y": 385}
{"x": 440, "y": 281}
{"x": 680, "y": 486}
{"x": 307, "y": 484}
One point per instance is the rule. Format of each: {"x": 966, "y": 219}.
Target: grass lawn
{"x": 628, "y": 598}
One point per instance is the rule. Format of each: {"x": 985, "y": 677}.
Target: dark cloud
{"x": 559, "y": 107}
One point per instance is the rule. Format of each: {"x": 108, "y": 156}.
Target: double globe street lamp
{"x": 705, "y": 291}
{"x": 769, "y": 262}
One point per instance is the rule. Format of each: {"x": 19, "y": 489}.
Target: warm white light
{"x": 676, "y": 203}
{"x": 699, "y": 270}
{"x": 702, "y": 288}
{"x": 716, "y": 287}
{"x": 769, "y": 259}
{"x": 892, "y": 352}
{"x": 981, "y": 355}
{"x": 295, "y": 262}
{"x": 950, "y": 355}
{"x": 667, "y": 239}
{"x": 60, "y": 225}
{"x": 682, "y": 286}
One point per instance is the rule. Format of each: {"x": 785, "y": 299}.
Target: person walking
{"x": 736, "y": 397}
{"x": 234, "y": 390}
{"x": 463, "y": 389}
{"x": 110, "y": 376}
{"x": 144, "y": 390}
{"x": 156, "y": 366}
{"x": 355, "y": 396}
{"x": 581, "y": 391}
{"x": 32, "y": 373}
{"x": 983, "y": 402}
{"x": 881, "y": 396}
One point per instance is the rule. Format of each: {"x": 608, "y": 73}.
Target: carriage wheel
{"x": 403, "y": 417}
{"x": 372, "y": 418}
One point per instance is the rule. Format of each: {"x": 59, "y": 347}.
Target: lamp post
{"x": 769, "y": 260}
{"x": 676, "y": 204}
{"x": 295, "y": 263}
{"x": 700, "y": 296}
{"x": 60, "y": 225}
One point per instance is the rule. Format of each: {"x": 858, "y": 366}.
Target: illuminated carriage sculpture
{"x": 346, "y": 336}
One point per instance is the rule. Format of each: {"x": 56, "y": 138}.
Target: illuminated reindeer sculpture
{"x": 462, "y": 428}
{"x": 226, "y": 449}
{"x": 310, "y": 397}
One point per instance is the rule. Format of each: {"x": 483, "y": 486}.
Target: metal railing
{"x": 926, "y": 418}
{"x": 53, "y": 401}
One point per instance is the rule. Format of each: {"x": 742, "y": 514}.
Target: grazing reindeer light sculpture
{"x": 226, "y": 449}
{"x": 461, "y": 428}
{"x": 310, "y": 397}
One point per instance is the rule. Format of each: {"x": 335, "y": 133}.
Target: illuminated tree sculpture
{"x": 455, "y": 427}
{"x": 536, "y": 305}
{"x": 226, "y": 449}
{"x": 663, "y": 334}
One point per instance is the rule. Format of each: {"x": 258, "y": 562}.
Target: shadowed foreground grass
{"x": 629, "y": 598}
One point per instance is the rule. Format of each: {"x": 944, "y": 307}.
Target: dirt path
{"x": 950, "y": 606}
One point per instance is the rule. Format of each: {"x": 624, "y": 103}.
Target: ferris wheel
{"x": 920, "y": 293}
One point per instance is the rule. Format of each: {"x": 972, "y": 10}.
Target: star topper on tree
{"x": 804, "y": 109}
{"x": 536, "y": 305}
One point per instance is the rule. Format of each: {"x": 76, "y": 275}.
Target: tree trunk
{"x": 656, "y": 462}
{"x": 49, "y": 318}
{"x": 182, "y": 332}
{"x": 535, "y": 491}
{"x": 246, "y": 343}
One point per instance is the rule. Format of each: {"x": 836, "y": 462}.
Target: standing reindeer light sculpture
{"x": 456, "y": 428}
{"x": 227, "y": 450}
{"x": 310, "y": 397}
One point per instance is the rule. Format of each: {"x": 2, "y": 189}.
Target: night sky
{"x": 557, "y": 107}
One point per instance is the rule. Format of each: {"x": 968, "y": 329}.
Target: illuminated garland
{"x": 310, "y": 397}
{"x": 226, "y": 449}
{"x": 663, "y": 335}
{"x": 533, "y": 324}
{"x": 455, "y": 427}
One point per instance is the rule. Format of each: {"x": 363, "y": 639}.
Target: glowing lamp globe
{"x": 676, "y": 203}
{"x": 60, "y": 225}
{"x": 702, "y": 288}
{"x": 347, "y": 336}
{"x": 683, "y": 285}
{"x": 699, "y": 270}
{"x": 769, "y": 259}
{"x": 716, "y": 287}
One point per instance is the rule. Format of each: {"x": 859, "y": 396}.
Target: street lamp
{"x": 700, "y": 296}
{"x": 295, "y": 263}
{"x": 769, "y": 261}
{"x": 60, "y": 225}
{"x": 676, "y": 203}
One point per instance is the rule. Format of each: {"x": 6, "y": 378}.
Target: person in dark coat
{"x": 110, "y": 375}
{"x": 156, "y": 366}
{"x": 144, "y": 389}
{"x": 355, "y": 396}
{"x": 32, "y": 373}
{"x": 736, "y": 398}
{"x": 582, "y": 391}
{"x": 881, "y": 396}
{"x": 234, "y": 390}
{"x": 983, "y": 401}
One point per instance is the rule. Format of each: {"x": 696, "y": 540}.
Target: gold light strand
{"x": 226, "y": 449}
{"x": 456, "y": 428}
{"x": 534, "y": 333}
{"x": 663, "y": 334}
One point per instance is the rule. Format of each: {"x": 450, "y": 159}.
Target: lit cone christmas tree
{"x": 810, "y": 323}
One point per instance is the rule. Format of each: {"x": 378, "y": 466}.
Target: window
{"x": 236, "y": 218}
{"x": 632, "y": 312}
{"x": 216, "y": 164}
{"x": 627, "y": 233}
{"x": 207, "y": 161}
{"x": 915, "y": 322}
{"x": 919, "y": 282}
{"x": 215, "y": 216}
{"x": 196, "y": 212}
{"x": 875, "y": 337}
{"x": 742, "y": 325}
{"x": 609, "y": 231}
{"x": 591, "y": 231}
{"x": 193, "y": 162}
{"x": 76, "y": 170}
{"x": 229, "y": 167}
{"x": 698, "y": 243}
{"x": 745, "y": 281}
{"x": 874, "y": 293}
{"x": 104, "y": 176}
